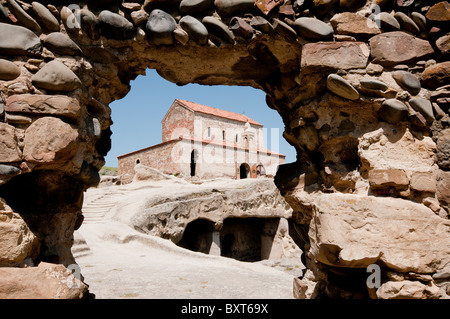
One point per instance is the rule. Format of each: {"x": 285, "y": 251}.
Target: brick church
{"x": 206, "y": 142}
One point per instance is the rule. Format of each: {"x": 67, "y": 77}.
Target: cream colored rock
{"x": 8, "y": 70}
{"x": 46, "y": 281}
{"x": 55, "y": 76}
{"x": 356, "y": 231}
{"x": 407, "y": 290}
{"x": 353, "y": 24}
{"x": 9, "y": 150}
{"x": 145, "y": 173}
{"x": 44, "y": 104}
{"x": 339, "y": 55}
{"x": 388, "y": 147}
{"x": 17, "y": 241}
{"x": 49, "y": 140}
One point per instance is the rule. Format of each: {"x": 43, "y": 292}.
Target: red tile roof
{"x": 217, "y": 112}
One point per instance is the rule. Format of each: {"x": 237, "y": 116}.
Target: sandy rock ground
{"x": 120, "y": 262}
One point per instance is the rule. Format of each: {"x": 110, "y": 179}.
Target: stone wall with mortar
{"x": 178, "y": 121}
{"x": 158, "y": 156}
{"x": 232, "y": 128}
{"x": 212, "y": 160}
{"x": 361, "y": 85}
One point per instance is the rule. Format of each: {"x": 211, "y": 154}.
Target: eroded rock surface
{"x": 46, "y": 281}
{"x": 380, "y": 141}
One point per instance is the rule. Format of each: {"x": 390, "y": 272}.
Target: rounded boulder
{"x": 114, "y": 26}
{"x": 159, "y": 27}
{"x": 341, "y": 87}
{"x": 196, "y": 30}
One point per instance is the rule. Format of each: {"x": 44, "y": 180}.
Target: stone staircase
{"x": 80, "y": 247}
{"x": 97, "y": 209}
{"x": 94, "y": 210}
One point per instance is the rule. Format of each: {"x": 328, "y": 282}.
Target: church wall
{"x": 218, "y": 125}
{"x": 178, "y": 122}
{"x": 157, "y": 157}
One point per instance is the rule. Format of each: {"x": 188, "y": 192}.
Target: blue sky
{"x": 137, "y": 117}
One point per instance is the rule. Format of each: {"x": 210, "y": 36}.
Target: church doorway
{"x": 260, "y": 170}
{"x": 193, "y": 162}
{"x": 244, "y": 169}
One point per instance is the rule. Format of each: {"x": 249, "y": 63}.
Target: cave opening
{"x": 198, "y": 236}
{"x": 247, "y": 239}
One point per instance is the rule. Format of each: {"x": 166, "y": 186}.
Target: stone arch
{"x": 260, "y": 170}
{"x": 328, "y": 77}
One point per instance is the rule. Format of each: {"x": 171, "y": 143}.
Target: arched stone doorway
{"x": 193, "y": 162}
{"x": 244, "y": 170}
{"x": 260, "y": 170}
{"x": 59, "y": 74}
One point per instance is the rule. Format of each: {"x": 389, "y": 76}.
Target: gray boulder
{"x": 195, "y": 6}
{"x": 159, "y": 27}
{"x": 443, "y": 151}
{"x": 407, "y": 81}
{"x": 8, "y": 70}
{"x": 114, "y": 26}
{"x": 55, "y": 76}
{"x": 420, "y": 20}
{"x": 424, "y": 107}
{"x": 8, "y": 170}
{"x": 407, "y": 23}
{"x": 313, "y": 29}
{"x": 23, "y": 17}
{"x": 15, "y": 40}
{"x": 196, "y": 30}
{"x": 230, "y": 7}
{"x": 60, "y": 43}
{"x": 372, "y": 84}
{"x": 45, "y": 17}
{"x": 218, "y": 28}
{"x": 341, "y": 87}
{"x": 393, "y": 111}
{"x": 90, "y": 24}
{"x": 387, "y": 22}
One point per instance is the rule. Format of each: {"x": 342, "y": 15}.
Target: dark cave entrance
{"x": 245, "y": 239}
{"x": 198, "y": 236}
{"x": 242, "y": 238}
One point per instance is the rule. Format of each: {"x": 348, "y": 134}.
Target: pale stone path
{"x": 119, "y": 262}
{"x": 96, "y": 207}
